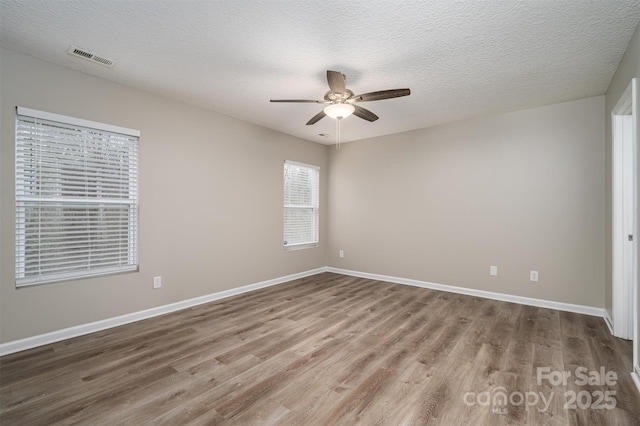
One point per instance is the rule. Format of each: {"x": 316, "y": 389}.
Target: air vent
{"x": 85, "y": 54}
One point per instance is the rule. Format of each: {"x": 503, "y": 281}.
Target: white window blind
{"x": 76, "y": 198}
{"x": 301, "y": 204}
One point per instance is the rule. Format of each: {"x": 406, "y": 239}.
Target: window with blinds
{"x": 76, "y": 198}
{"x": 301, "y": 205}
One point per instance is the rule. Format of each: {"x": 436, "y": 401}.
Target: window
{"x": 76, "y": 198}
{"x": 301, "y": 213}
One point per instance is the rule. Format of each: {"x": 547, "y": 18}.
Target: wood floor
{"x": 325, "y": 350}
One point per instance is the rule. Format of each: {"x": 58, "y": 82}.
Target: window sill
{"x": 300, "y": 246}
{"x": 31, "y": 282}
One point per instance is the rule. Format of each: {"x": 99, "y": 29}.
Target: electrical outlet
{"x": 341, "y": 253}
{"x": 493, "y": 271}
{"x": 533, "y": 276}
{"x": 157, "y": 282}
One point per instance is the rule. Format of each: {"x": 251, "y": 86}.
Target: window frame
{"x": 315, "y": 207}
{"x": 99, "y": 205}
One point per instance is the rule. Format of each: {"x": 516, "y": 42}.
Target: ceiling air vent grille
{"x": 85, "y": 54}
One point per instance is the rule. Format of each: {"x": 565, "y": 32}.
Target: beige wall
{"x": 210, "y": 200}
{"x": 523, "y": 191}
{"x": 628, "y": 69}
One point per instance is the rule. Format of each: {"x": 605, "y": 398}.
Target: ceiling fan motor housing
{"x": 337, "y": 97}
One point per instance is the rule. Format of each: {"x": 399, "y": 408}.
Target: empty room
{"x": 319, "y": 212}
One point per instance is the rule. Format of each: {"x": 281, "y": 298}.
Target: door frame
{"x": 625, "y": 127}
{"x": 624, "y": 208}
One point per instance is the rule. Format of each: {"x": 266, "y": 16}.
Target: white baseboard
{"x": 636, "y": 379}
{"x": 67, "y": 333}
{"x": 607, "y": 320}
{"x": 561, "y": 306}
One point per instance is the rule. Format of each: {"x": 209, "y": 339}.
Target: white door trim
{"x": 625, "y": 127}
{"x": 624, "y": 214}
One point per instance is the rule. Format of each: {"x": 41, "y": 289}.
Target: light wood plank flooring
{"x": 324, "y": 350}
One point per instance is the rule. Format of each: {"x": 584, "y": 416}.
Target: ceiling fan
{"x": 342, "y": 101}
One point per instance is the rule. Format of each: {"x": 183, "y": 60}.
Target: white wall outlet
{"x": 157, "y": 282}
{"x": 493, "y": 270}
{"x": 341, "y": 253}
{"x": 533, "y": 276}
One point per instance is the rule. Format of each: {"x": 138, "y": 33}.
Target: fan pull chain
{"x": 338, "y": 141}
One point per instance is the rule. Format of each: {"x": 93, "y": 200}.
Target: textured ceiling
{"x": 461, "y": 59}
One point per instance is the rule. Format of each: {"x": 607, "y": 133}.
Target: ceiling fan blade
{"x": 299, "y": 101}
{"x": 382, "y": 94}
{"x": 364, "y": 113}
{"x": 336, "y": 81}
{"x": 319, "y": 116}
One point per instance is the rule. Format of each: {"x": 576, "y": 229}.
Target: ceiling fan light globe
{"x": 339, "y": 110}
